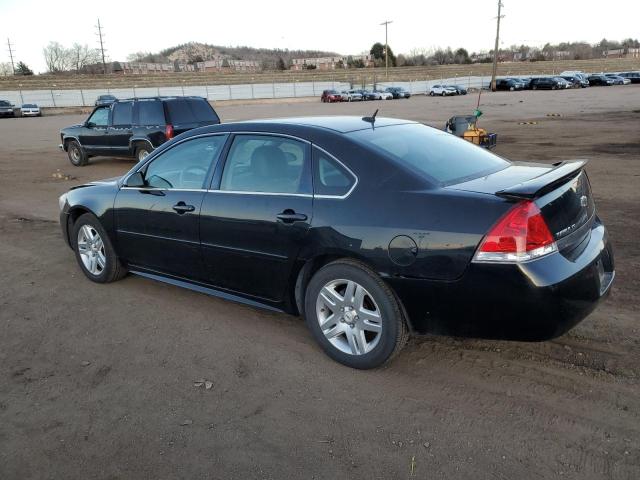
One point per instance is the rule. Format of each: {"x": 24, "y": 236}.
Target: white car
{"x": 380, "y": 95}
{"x": 30, "y": 110}
{"x": 442, "y": 90}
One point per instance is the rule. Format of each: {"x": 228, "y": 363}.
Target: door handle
{"x": 289, "y": 216}
{"x": 181, "y": 208}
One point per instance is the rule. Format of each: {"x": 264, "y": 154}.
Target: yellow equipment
{"x": 465, "y": 126}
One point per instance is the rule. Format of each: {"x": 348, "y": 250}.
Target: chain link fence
{"x": 82, "y": 98}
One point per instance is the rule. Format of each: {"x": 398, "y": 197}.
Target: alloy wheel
{"x": 91, "y": 250}
{"x": 349, "y": 317}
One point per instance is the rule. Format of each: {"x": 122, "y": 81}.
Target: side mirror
{"x": 89, "y": 124}
{"x": 135, "y": 180}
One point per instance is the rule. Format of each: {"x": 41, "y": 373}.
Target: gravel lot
{"x": 98, "y": 381}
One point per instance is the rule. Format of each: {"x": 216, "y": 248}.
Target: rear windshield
{"x": 190, "y": 110}
{"x": 29, "y": 105}
{"x": 4, "y": 103}
{"x": 441, "y": 157}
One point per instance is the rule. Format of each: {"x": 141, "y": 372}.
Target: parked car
{"x": 105, "y": 100}
{"x": 270, "y": 213}
{"x": 525, "y": 81}
{"x": 633, "y": 77}
{"x": 382, "y": 95}
{"x": 576, "y": 81}
{"x": 134, "y": 127}
{"x": 344, "y": 96}
{"x": 508, "y": 84}
{"x": 460, "y": 90}
{"x": 30, "y": 110}
{"x": 617, "y": 79}
{"x": 442, "y": 90}
{"x": 355, "y": 96}
{"x": 599, "y": 80}
{"x": 365, "y": 94}
{"x": 6, "y": 109}
{"x": 544, "y": 83}
{"x": 331, "y": 96}
{"x": 398, "y": 92}
{"x": 562, "y": 83}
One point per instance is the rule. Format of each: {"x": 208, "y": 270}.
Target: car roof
{"x": 341, "y": 124}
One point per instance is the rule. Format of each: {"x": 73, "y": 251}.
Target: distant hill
{"x": 198, "y": 52}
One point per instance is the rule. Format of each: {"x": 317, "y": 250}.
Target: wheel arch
{"x": 306, "y": 269}
{"x": 134, "y": 142}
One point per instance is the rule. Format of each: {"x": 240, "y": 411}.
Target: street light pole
{"x": 386, "y": 48}
{"x": 495, "y": 50}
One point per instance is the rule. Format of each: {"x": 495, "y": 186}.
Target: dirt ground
{"x": 98, "y": 381}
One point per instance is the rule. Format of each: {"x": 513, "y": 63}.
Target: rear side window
{"x": 329, "y": 177}
{"x": 440, "y": 157}
{"x": 150, "y": 113}
{"x": 122, "y": 113}
{"x": 190, "y": 110}
{"x": 263, "y": 163}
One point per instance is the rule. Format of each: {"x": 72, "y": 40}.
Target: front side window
{"x": 122, "y": 113}
{"x": 100, "y": 117}
{"x": 262, "y": 163}
{"x": 329, "y": 177}
{"x": 186, "y": 165}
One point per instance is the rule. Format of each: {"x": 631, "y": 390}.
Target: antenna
{"x": 371, "y": 119}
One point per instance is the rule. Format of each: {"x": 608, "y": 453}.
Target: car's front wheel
{"x": 94, "y": 252}
{"x": 354, "y": 315}
{"x": 77, "y": 155}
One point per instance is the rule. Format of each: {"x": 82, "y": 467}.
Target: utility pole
{"x": 13, "y": 68}
{"x": 104, "y": 64}
{"x": 386, "y": 48}
{"x": 495, "y": 50}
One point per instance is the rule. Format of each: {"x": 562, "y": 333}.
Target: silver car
{"x": 30, "y": 110}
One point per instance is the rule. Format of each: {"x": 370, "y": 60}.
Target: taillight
{"x": 520, "y": 235}
{"x": 168, "y": 132}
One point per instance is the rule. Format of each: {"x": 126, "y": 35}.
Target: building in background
{"x": 332, "y": 63}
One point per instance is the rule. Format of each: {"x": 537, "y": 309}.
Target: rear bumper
{"x": 532, "y": 301}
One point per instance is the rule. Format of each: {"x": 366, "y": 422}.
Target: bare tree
{"x": 5, "y": 69}
{"x": 56, "y": 57}
{"x": 80, "y": 56}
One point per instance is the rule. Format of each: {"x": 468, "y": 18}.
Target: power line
{"x": 13, "y": 68}
{"x": 386, "y": 48}
{"x": 495, "y": 50}
{"x": 100, "y": 35}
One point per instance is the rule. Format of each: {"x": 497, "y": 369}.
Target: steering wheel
{"x": 195, "y": 170}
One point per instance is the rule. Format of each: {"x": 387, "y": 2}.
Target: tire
{"x": 98, "y": 249}
{"x": 77, "y": 155}
{"x": 431, "y": 93}
{"x": 443, "y": 94}
{"x": 511, "y": 89}
{"x": 535, "y": 87}
{"x": 379, "y": 340}
{"x": 141, "y": 152}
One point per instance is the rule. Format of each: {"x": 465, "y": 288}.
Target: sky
{"x": 344, "y": 27}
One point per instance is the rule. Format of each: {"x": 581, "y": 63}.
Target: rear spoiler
{"x": 544, "y": 183}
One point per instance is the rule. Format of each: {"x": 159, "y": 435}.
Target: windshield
{"x": 29, "y": 105}
{"x": 4, "y": 103}
{"x": 439, "y": 156}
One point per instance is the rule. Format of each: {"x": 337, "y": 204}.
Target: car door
{"x": 256, "y": 216}
{"x": 120, "y": 129}
{"x": 93, "y": 135}
{"x": 157, "y": 225}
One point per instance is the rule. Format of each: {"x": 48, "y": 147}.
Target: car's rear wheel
{"x": 94, "y": 252}
{"x": 77, "y": 155}
{"x": 431, "y": 93}
{"x": 354, "y": 315}
{"x": 141, "y": 152}
{"x": 535, "y": 87}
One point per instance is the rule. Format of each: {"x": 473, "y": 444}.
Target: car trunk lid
{"x": 561, "y": 191}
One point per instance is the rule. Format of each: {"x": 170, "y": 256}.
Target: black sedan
{"x": 372, "y": 229}
{"x": 599, "y": 81}
{"x": 545, "y": 83}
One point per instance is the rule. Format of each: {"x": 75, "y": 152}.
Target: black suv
{"x": 134, "y": 127}
{"x": 6, "y": 109}
{"x": 547, "y": 83}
